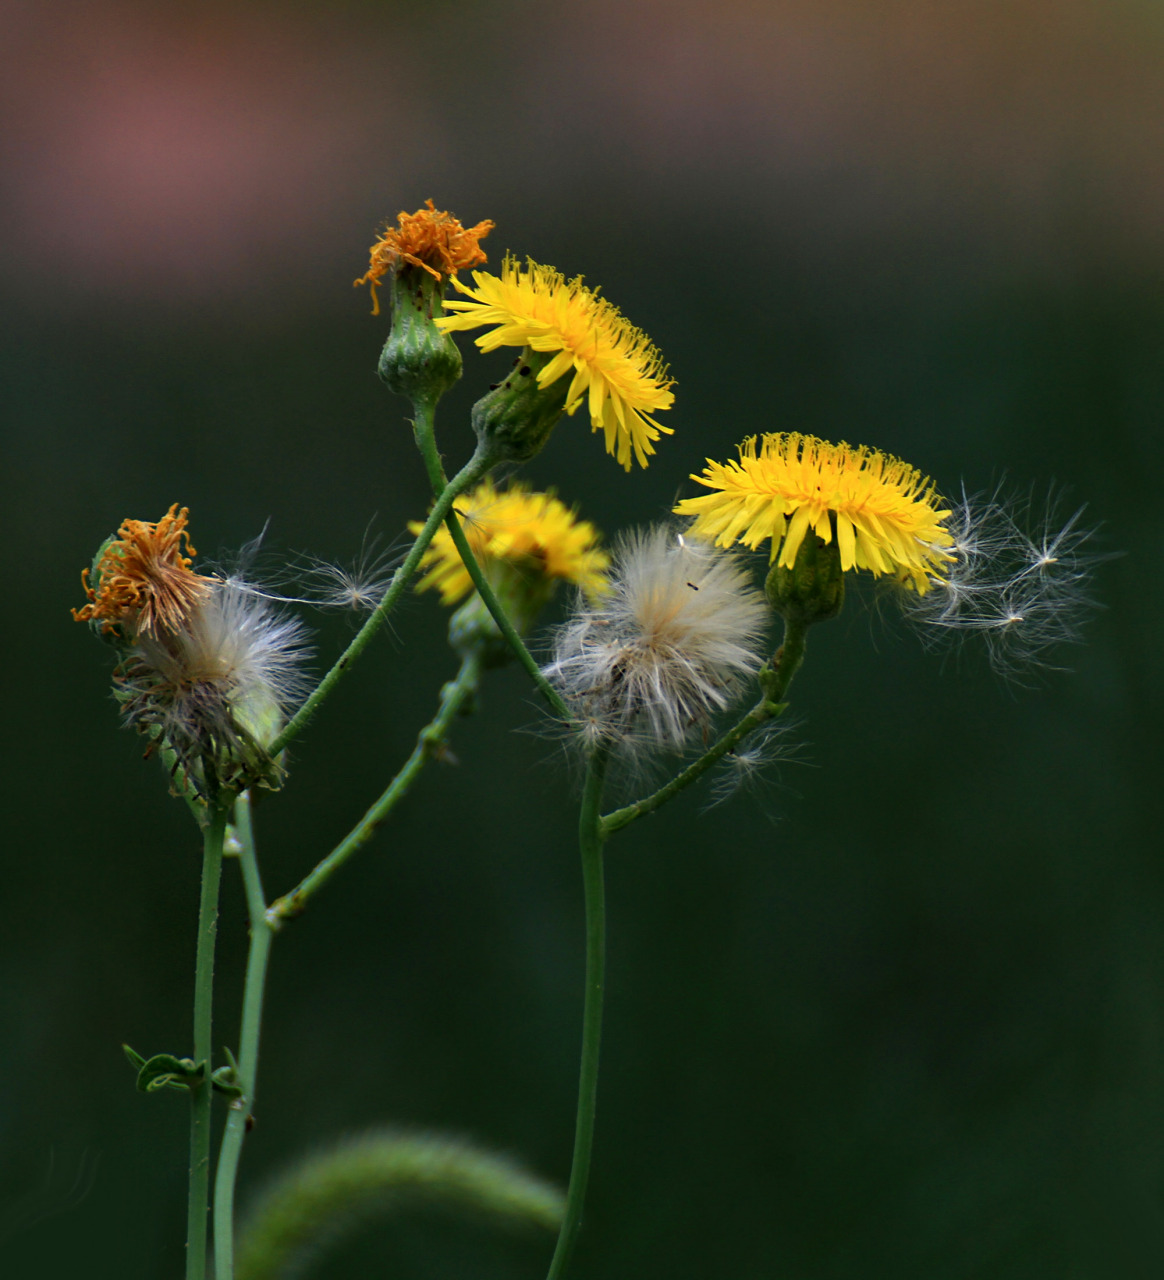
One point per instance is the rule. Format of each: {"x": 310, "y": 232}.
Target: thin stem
{"x": 469, "y": 474}
{"x": 202, "y": 1091}
{"x": 429, "y": 743}
{"x": 762, "y": 711}
{"x": 424, "y": 433}
{"x": 238, "y": 1117}
{"x": 774, "y": 681}
{"x": 426, "y": 442}
{"x": 590, "y": 840}
{"x": 504, "y": 625}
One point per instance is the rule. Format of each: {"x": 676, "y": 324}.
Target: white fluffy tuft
{"x": 651, "y": 662}
{"x": 218, "y": 690}
{"x": 1020, "y": 579}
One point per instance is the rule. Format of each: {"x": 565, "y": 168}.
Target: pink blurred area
{"x": 186, "y": 154}
{"x": 163, "y": 152}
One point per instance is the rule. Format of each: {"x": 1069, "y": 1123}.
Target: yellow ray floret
{"x": 143, "y": 578}
{"x": 616, "y": 369}
{"x": 885, "y": 514}
{"x": 430, "y": 239}
{"x": 531, "y": 530}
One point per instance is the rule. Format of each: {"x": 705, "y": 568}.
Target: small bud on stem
{"x": 418, "y": 360}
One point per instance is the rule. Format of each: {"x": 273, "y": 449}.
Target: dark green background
{"x": 899, "y": 1014}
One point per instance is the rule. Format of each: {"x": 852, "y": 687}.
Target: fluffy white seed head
{"x": 218, "y": 690}
{"x": 666, "y": 649}
{"x": 1020, "y": 579}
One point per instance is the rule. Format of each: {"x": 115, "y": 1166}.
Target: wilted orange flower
{"x": 144, "y": 579}
{"x": 429, "y": 238}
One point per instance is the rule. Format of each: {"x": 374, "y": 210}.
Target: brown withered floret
{"x": 143, "y": 578}
{"x": 430, "y": 239}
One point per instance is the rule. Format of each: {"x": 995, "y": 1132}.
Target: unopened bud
{"x": 514, "y": 420}
{"x": 418, "y": 359}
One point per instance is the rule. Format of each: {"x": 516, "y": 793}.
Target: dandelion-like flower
{"x": 615, "y": 367}
{"x": 1018, "y": 576}
{"x": 885, "y": 515}
{"x": 430, "y": 239}
{"x": 668, "y": 647}
{"x": 144, "y": 581}
{"x": 209, "y": 667}
{"x": 535, "y": 534}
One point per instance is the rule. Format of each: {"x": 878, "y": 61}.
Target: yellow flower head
{"x": 430, "y": 239}
{"x": 885, "y": 514}
{"x": 144, "y": 579}
{"x": 533, "y": 531}
{"x": 615, "y": 366}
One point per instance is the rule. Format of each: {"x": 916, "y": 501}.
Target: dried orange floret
{"x": 144, "y": 577}
{"x": 430, "y": 239}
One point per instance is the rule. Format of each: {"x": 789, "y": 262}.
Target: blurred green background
{"x": 898, "y": 1014}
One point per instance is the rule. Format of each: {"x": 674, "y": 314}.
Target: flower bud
{"x": 514, "y": 420}
{"x": 418, "y": 359}
{"x": 813, "y": 588}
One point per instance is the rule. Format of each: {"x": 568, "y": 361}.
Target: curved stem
{"x": 429, "y": 743}
{"x": 619, "y": 818}
{"x": 774, "y": 681}
{"x": 426, "y": 442}
{"x": 202, "y": 1091}
{"x": 238, "y": 1117}
{"x": 469, "y": 474}
{"x": 590, "y": 840}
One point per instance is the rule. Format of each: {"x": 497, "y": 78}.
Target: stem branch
{"x": 774, "y": 681}
{"x": 590, "y": 840}
{"x": 202, "y": 1090}
{"x": 426, "y": 442}
{"x": 429, "y": 741}
{"x": 241, "y": 1108}
{"x": 469, "y": 474}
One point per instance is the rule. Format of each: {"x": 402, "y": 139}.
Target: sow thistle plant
{"x": 666, "y": 636}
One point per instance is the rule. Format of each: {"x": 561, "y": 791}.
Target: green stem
{"x": 238, "y": 1117}
{"x": 424, "y": 433}
{"x": 774, "y": 681}
{"x": 426, "y": 442}
{"x": 202, "y": 1091}
{"x": 429, "y": 742}
{"x": 469, "y": 474}
{"x": 590, "y": 840}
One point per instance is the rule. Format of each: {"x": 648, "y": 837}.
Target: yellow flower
{"x": 885, "y": 514}
{"x": 529, "y": 531}
{"x": 616, "y": 368}
{"x": 430, "y": 239}
{"x": 143, "y": 579}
